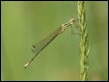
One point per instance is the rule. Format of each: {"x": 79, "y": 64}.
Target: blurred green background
{"x": 25, "y": 23}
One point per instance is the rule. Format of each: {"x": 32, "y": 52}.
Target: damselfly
{"x": 37, "y": 48}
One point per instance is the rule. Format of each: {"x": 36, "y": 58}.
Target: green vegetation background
{"x": 26, "y": 23}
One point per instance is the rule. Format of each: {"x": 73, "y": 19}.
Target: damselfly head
{"x": 72, "y": 20}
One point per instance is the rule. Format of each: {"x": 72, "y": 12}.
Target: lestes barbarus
{"x": 37, "y": 48}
